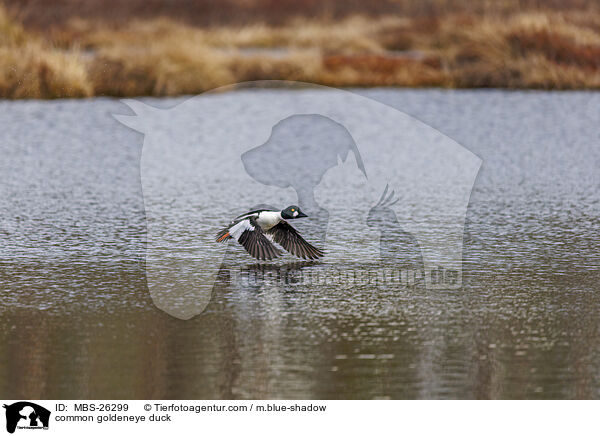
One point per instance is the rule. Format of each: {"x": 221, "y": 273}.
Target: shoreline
{"x": 214, "y": 92}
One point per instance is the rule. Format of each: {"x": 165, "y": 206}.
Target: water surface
{"x": 76, "y": 319}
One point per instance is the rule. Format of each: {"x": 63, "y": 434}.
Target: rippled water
{"x": 77, "y": 321}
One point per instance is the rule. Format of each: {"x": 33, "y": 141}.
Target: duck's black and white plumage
{"x": 258, "y": 229}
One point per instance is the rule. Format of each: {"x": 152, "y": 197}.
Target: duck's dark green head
{"x": 292, "y": 212}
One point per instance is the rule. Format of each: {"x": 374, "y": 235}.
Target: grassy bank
{"x": 78, "y": 57}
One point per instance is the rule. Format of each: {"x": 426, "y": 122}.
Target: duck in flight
{"x": 258, "y": 229}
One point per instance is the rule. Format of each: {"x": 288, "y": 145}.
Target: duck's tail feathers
{"x": 223, "y": 235}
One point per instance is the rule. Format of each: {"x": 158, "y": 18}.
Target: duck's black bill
{"x": 301, "y": 215}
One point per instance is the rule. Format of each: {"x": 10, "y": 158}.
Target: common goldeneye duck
{"x": 258, "y": 229}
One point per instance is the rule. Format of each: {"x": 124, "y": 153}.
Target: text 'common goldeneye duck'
{"x": 257, "y": 229}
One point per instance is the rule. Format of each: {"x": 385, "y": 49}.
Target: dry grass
{"x": 31, "y": 68}
{"x": 545, "y": 49}
{"x": 33, "y": 71}
{"x": 549, "y": 51}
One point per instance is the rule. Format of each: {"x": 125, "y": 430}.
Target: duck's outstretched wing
{"x": 253, "y": 239}
{"x": 289, "y": 238}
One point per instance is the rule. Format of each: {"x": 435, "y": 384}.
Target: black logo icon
{"x": 26, "y": 415}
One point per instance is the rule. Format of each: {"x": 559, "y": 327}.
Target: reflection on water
{"x": 76, "y": 320}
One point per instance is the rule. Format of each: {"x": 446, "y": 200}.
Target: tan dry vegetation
{"x": 30, "y": 67}
{"x": 159, "y": 56}
{"x": 532, "y": 50}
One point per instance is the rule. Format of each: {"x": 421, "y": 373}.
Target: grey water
{"x": 77, "y": 320}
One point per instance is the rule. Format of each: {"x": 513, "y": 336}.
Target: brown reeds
{"x": 546, "y": 49}
{"x": 30, "y": 68}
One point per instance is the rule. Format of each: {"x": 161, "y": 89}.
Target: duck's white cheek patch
{"x": 295, "y": 214}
